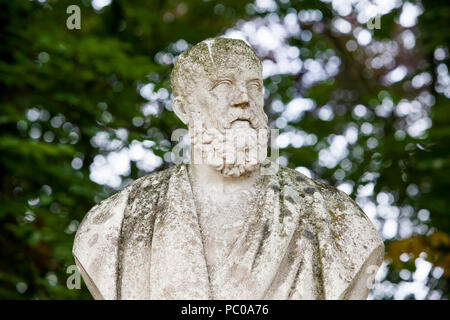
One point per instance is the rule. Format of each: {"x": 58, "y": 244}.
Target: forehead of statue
{"x": 239, "y": 69}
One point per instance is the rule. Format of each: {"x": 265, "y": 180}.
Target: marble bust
{"x": 224, "y": 226}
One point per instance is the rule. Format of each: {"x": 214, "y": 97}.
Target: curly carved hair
{"x": 205, "y": 58}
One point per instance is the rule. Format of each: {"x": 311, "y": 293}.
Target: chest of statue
{"x": 221, "y": 220}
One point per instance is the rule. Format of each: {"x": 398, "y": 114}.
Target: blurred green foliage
{"x": 60, "y": 88}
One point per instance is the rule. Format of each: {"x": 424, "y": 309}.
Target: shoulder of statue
{"x": 151, "y": 186}
{"x": 349, "y": 243}
{"x": 98, "y": 236}
{"x": 147, "y": 186}
{"x": 339, "y": 206}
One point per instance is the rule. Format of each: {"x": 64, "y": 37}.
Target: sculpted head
{"x": 218, "y": 93}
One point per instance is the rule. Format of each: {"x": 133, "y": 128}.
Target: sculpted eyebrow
{"x": 255, "y": 80}
{"x": 219, "y": 80}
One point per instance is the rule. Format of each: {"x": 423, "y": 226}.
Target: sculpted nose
{"x": 242, "y": 100}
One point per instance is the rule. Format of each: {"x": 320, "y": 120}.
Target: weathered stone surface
{"x": 225, "y": 227}
{"x": 320, "y": 251}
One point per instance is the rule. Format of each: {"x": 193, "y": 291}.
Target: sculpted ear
{"x": 180, "y": 110}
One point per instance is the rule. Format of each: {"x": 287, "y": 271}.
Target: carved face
{"x": 219, "y": 95}
{"x": 229, "y": 97}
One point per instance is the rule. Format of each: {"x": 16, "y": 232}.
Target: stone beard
{"x": 222, "y": 226}
{"x": 235, "y": 148}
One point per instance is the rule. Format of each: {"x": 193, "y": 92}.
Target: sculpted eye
{"x": 254, "y": 85}
{"x": 223, "y": 82}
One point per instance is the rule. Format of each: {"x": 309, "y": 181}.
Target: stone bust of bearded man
{"x": 230, "y": 224}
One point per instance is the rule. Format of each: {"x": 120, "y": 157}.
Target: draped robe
{"x": 306, "y": 240}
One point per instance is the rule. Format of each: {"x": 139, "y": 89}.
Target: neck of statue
{"x": 209, "y": 179}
